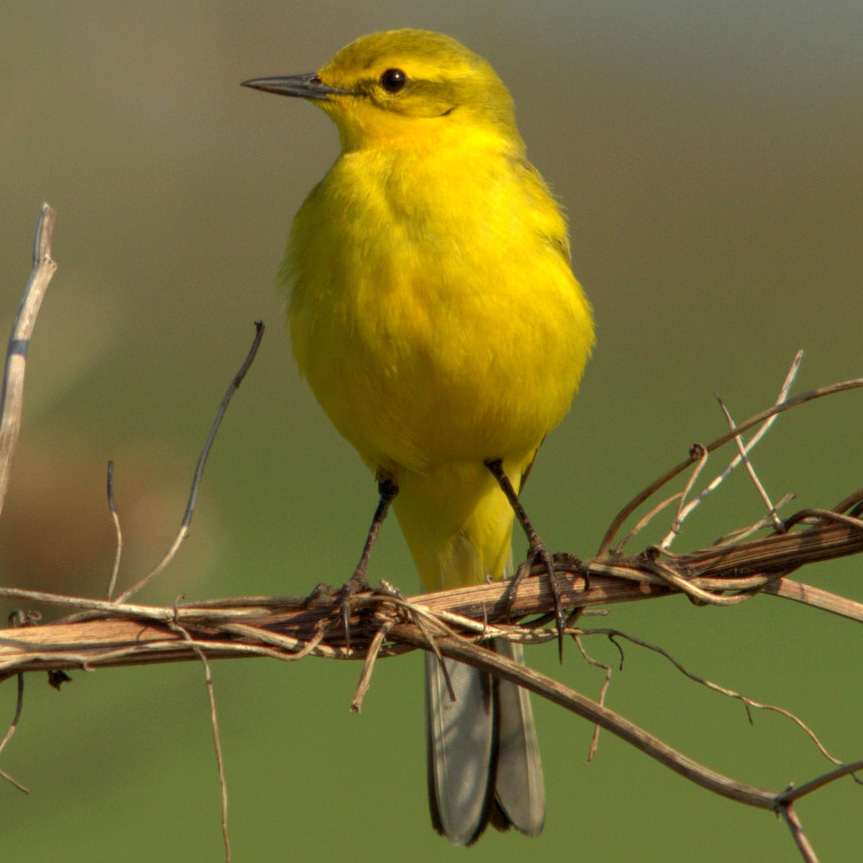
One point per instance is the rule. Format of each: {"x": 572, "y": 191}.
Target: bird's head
{"x": 404, "y": 88}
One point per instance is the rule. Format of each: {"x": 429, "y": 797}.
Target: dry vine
{"x": 457, "y": 623}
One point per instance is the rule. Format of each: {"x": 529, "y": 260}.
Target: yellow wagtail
{"x": 434, "y": 313}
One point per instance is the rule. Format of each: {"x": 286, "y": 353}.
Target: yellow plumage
{"x": 432, "y": 308}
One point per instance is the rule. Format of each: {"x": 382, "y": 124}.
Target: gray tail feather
{"x": 519, "y": 789}
{"x": 483, "y": 757}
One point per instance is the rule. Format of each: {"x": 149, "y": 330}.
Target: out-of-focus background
{"x": 710, "y": 156}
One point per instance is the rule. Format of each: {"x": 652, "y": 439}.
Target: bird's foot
{"x": 538, "y": 554}
{"x": 343, "y": 608}
{"x": 358, "y": 583}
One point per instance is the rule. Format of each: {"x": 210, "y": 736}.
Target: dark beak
{"x": 308, "y": 86}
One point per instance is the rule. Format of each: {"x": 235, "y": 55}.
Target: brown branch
{"x": 695, "y": 453}
{"x": 128, "y": 634}
{"x": 118, "y": 533}
{"x": 807, "y": 852}
{"x": 90, "y": 644}
{"x": 749, "y": 704}
{"x": 453, "y": 623}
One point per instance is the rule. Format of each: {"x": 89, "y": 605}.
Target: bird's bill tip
{"x": 307, "y": 86}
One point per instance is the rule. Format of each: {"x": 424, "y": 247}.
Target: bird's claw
{"x": 539, "y": 553}
{"x": 343, "y": 595}
{"x": 357, "y": 583}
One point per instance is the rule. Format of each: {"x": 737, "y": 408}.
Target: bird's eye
{"x": 393, "y": 80}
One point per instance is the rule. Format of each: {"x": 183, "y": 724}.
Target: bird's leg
{"x": 387, "y": 489}
{"x": 538, "y": 551}
{"x": 357, "y": 583}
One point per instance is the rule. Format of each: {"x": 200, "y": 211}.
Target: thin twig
{"x": 12, "y": 394}
{"x": 650, "y": 490}
{"x": 800, "y": 837}
{"x": 217, "y": 743}
{"x": 576, "y": 702}
{"x": 369, "y": 665}
{"x": 118, "y": 533}
{"x": 736, "y": 536}
{"x": 297, "y": 649}
{"x": 199, "y": 470}
{"x": 815, "y": 597}
{"x": 825, "y": 515}
{"x": 701, "y": 454}
{"x": 735, "y": 462}
{"x": 19, "y": 706}
{"x": 646, "y": 519}
{"x": 795, "y": 793}
{"x": 748, "y": 703}
{"x": 594, "y": 740}
{"x": 743, "y": 452}
{"x": 692, "y": 590}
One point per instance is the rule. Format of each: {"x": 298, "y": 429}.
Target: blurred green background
{"x": 710, "y": 156}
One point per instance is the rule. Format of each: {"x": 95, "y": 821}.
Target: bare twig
{"x": 553, "y": 690}
{"x": 800, "y": 838}
{"x": 284, "y": 628}
{"x": 650, "y": 490}
{"x": 118, "y": 533}
{"x": 795, "y": 793}
{"x": 217, "y": 743}
{"x": 734, "y": 463}
{"x": 13, "y": 725}
{"x": 369, "y": 664}
{"x": 816, "y": 598}
{"x": 185, "y": 524}
{"x": 746, "y": 566}
{"x": 735, "y": 536}
{"x": 12, "y": 396}
{"x": 700, "y": 455}
{"x": 694, "y": 591}
{"x": 748, "y": 703}
{"x": 743, "y": 454}
{"x": 646, "y": 519}
{"x": 594, "y": 740}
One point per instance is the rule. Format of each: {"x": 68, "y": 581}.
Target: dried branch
{"x": 454, "y": 623}
{"x": 694, "y": 456}
{"x": 128, "y": 634}
{"x": 118, "y": 533}
{"x": 217, "y": 741}
{"x": 789, "y": 814}
{"x": 117, "y": 633}
{"x": 748, "y": 703}
{"x": 13, "y": 726}
{"x": 743, "y": 453}
{"x": 12, "y": 396}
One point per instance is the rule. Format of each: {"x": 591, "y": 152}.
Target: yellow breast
{"x": 432, "y": 307}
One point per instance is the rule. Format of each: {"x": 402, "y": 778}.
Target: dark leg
{"x": 387, "y": 489}
{"x": 357, "y": 583}
{"x": 537, "y": 552}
